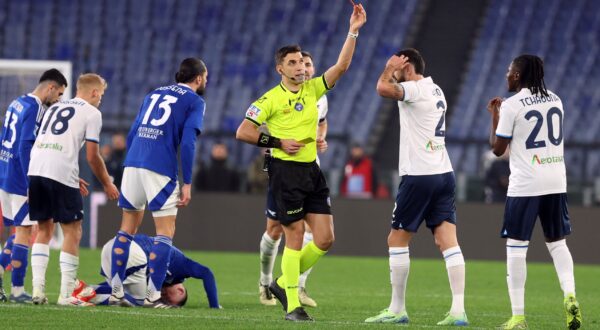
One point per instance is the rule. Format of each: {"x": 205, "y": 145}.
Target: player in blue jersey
{"x": 169, "y": 121}
{"x": 135, "y": 282}
{"x": 23, "y": 118}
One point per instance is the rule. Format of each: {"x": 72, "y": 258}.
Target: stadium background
{"x": 137, "y": 44}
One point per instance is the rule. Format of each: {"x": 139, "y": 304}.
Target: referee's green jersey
{"x": 290, "y": 115}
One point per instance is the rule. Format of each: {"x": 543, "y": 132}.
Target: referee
{"x": 295, "y": 180}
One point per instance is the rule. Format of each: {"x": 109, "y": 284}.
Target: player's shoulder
{"x": 26, "y": 102}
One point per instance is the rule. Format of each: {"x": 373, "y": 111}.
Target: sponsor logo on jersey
{"x": 252, "y": 112}
{"x": 546, "y": 160}
{"x": 6, "y": 155}
{"x": 149, "y": 132}
{"x": 432, "y": 146}
{"x": 51, "y": 146}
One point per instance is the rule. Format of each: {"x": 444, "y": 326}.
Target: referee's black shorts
{"x": 296, "y": 189}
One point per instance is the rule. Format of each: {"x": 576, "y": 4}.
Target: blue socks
{"x": 158, "y": 263}
{"x": 120, "y": 254}
{"x": 6, "y": 252}
{"x": 20, "y": 254}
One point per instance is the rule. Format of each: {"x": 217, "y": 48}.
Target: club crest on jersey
{"x": 299, "y": 106}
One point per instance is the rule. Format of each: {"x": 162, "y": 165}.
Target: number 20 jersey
{"x": 154, "y": 138}
{"x": 22, "y": 119}
{"x": 534, "y": 125}
{"x": 64, "y": 129}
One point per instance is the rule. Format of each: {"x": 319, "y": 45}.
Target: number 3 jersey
{"x": 422, "y": 129}
{"x": 20, "y": 127}
{"x": 534, "y": 125}
{"x": 64, "y": 129}
{"x": 156, "y": 134}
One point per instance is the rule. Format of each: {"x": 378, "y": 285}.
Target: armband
{"x": 268, "y": 141}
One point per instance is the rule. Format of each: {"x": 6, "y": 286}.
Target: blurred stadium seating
{"x": 137, "y": 45}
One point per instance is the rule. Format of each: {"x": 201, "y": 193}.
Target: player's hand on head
{"x": 111, "y": 191}
{"x": 83, "y": 187}
{"x": 358, "y": 18}
{"x": 397, "y": 62}
{"x": 291, "y": 147}
{"x": 185, "y": 196}
{"x": 321, "y": 145}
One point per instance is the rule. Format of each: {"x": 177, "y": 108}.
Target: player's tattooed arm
{"x": 387, "y": 85}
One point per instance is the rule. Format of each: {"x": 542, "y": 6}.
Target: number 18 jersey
{"x": 154, "y": 138}
{"x": 534, "y": 125}
{"x": 64, "y": 129}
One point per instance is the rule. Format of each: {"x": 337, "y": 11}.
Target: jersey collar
{"x": 185, "y": 86}
{"x": 37, "y": 99}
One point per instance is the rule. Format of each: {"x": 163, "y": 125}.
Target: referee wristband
{"x": 352, "y": 35}
{"x": 268, "y": 141}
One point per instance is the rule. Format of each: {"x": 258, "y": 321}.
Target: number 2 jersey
{"x": 65, "y": 128}
{"x": 422, "y": 129}
{"x": 23, "y": 116}
{"x": 534, "y": 125}
{"x": 154, "y": 138}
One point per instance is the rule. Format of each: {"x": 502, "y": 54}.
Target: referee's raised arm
{"x": 357, "y": 20}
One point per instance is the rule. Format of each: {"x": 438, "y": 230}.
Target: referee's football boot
{"x": 298, "y": 315}
{"x": 279, "y": 293}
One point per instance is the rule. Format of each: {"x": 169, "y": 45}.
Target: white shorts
{"x": 136, "y": 266}
{"x": 15, "y": 209}
{"x": 140, "y": 186}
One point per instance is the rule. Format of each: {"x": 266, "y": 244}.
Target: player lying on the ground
{"x": 136, "y": 277}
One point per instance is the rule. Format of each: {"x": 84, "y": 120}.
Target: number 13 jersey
{"x": 534, "y": 125}
{"x": 64, "y": 129}
{"x": 154, "y": 138}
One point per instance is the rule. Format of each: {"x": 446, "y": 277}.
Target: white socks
{"x": 308, "y": 237}
{"x": 268, "y": 253}
{"x": 516, "y": 266}
{"x": 68, "y": 270}
{"x": 563, "y": 263}
{"x": 40, "y": 253}
{"x": 455, "y": 264}
{"x": 399, "y": 269}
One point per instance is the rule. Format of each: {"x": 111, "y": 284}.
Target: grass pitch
{"x": 347, "y": 289}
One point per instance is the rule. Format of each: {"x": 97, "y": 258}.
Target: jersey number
{"x": 531, "y": 143}
{"x": 438, "y": 129}
{"x": 10, "y": 123}
{"x": 165, "y": 105}
{"x": 60, "y": 123}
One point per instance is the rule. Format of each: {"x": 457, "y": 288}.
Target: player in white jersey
{"x": 269, "y": 243}
{"x": 426, "y": 191}
{"x": 531, "y": 122}
{"x": 23, "y": 118}
{"x": 54, "y": 186}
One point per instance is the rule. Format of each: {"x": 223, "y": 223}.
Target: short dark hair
{"x": 55, "y": 76}
{"x": 189, "y": 69}
{"x": 531, "y": 69}
{"x": 283, "y": 51}
{"x": 306, "y": 54}
{"x": 414, "y": 58}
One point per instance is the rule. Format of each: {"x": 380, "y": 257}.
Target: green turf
{"x": 347, "y": 289}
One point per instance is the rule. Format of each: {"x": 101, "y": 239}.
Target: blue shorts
{"x": 428, "y": 198}
{"x": 521, "y": 213}
{"x": 49, "y": 199}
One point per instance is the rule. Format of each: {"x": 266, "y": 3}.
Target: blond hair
{"x": 89, "y": 81}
